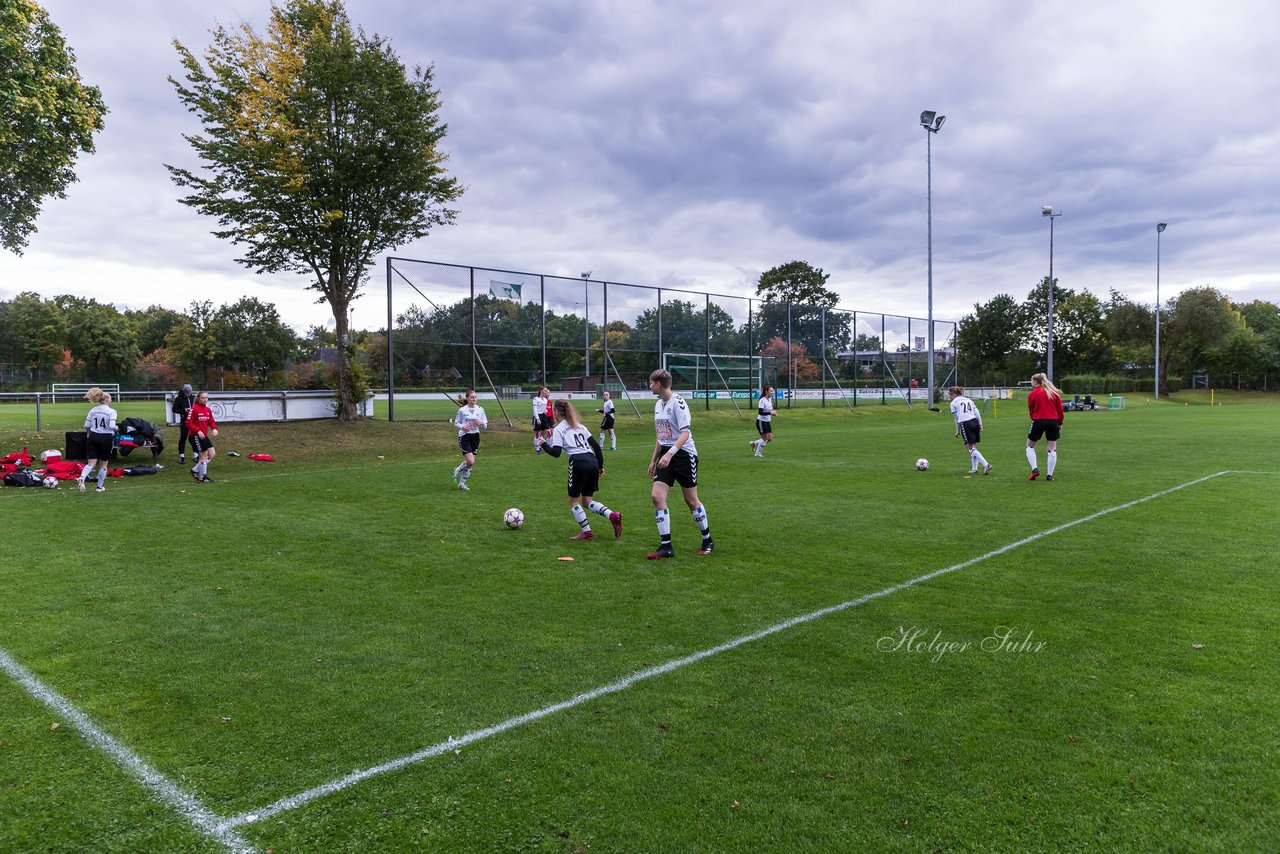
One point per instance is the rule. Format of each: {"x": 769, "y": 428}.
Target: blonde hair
{"x": 566, "y": 411}
{"x": 96, "y": 395}
{"x": 1044, "y": 383}
{"x": 956, "y": 390}
{"x": 462, "y": 398}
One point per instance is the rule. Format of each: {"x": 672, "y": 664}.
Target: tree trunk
{"x": 346, "y": 402}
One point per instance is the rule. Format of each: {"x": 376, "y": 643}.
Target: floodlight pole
{"x": 586, "y": 331}
{"x": 1160, "y": 226}
{"x": 1048, "y": 211}
{"x": 932, "y": 123}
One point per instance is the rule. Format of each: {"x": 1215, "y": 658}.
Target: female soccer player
{"x": 541, "y": 423}
{"x": 764, "y": 420}
{"x": 586, "y": 464}
{"x": 1045, "y": 405}
{"x": 469, "y": 421}
{"x": 606, "y": 423}
{"x": 202, "y": 428}
{"x": 675, "y": 459}
{"x": 969, "y": 428}
{"x": 100, "y": 429}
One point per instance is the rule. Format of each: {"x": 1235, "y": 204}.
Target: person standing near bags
{"x": 182, "y": 403}
{"x": 203, "y": 430}
{"x": 100, "y": 431}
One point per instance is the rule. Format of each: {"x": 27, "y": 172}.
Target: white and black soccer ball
{"x": 49, "y": 482}
{"x": 922, "y": 464}
{"x": 514, "y": 518}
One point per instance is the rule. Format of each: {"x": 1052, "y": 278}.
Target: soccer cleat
{"x": 664, "y": 550}
{"x": 615, "y": 519}
{"x": 1048, "y": 477}
{"x": 973, "y": 471}
{"x": 707, "y": 545}
{"x": 195, "y": 474}
{"x": 584, "y": 535}
{"x": 1035, "y": 473}
{"x": 81, "y": 485}
{"x": 204, "y": 478}
{"x": 987, "y": 470}
{"x": 537, "y": 450}
{"x": 101, "y": 489}
{"x": 463, "y": 486}
{"x": 182, "y": 458}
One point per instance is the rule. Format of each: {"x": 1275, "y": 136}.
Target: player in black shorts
{"x": 675, "y": 460}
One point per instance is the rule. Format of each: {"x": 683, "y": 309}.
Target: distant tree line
{"x": 1101, "y": 345}
{"x": 73, "y": 339}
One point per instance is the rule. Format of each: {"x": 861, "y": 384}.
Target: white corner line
{"x": 452, "y": 743}
{"x": 165, "y": 790}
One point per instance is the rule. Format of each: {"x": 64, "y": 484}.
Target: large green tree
{"x": 796, "y": 282}
{"x": 320, "y": 151}
{"x": 47, "y": 116}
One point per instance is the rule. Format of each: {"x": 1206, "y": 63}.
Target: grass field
{"x": 346, "y": 648}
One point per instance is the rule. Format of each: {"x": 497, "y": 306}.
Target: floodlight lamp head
{"x": 937, "y": 125}
{"x": 926, "y": 118}
{"x": 1161, "y": 226}
{"x": 1047, "y": 210}
{"x": 585, "y": 275}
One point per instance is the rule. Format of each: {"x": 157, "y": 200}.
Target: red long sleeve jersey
{"x": 1044, "y": 406}
{"x": 200, "y": 419}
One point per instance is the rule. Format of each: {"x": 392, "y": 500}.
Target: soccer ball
{"x": 514, "y": 518}
{"x": 49, "y": 482}
{"x": 922, "y": 464}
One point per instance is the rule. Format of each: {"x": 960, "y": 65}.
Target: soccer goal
{"x": 700, "y": 371}
{"x": 77, "y": 391}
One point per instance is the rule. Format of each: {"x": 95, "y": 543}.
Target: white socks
{"x": 1031, "y": 458}
{"x": 1053, "y": 462}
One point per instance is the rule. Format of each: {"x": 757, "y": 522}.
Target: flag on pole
{"x": 919, "y": 342}
{"x": 504, "y": 290}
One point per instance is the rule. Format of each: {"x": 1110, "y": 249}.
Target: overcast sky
{"x": 696, "y": 143}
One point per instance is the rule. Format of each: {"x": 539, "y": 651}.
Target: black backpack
{"x": 22, "y": 477}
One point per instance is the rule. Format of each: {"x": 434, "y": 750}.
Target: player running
{"x": 675, "y": 459}
{"x": 969, "y": 428}
{"x": 470, "y": 420}
{"x": 764, "y": 420}
{"x": 606, "y": 423}
{"x": 586, "y": 465}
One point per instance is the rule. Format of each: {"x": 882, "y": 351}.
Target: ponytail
{"x": 1045, "y": 383}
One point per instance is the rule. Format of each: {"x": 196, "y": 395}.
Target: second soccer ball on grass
{"x": 514, "y": 518}
{"x": 922, "y": 464}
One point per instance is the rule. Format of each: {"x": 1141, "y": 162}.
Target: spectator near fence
{"x": 182, "y": 403}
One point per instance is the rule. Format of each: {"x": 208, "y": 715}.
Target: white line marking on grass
{"x": 451, "y": 743}
{"x": 212, "y": 826}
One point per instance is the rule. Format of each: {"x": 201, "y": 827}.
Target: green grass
{"x": 332, "y": 611}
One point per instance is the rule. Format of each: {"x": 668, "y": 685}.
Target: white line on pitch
{"x": 451, "y": 743}
{"x": 212, "y": 826}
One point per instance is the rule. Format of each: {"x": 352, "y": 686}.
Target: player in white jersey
{"x": 969, "y": 428}
{"x": 470, "y": 420}
{"x": 764, "y": 420}
{"x": 675, "y": 459}
{"x": 586, "y": 465}
{"x": 606, "y": 423}
{"x": 100, "y": 431}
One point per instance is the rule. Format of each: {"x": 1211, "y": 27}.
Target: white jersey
{"x": 765, "y": 410}
{"x": 962, "y": 409}
{"x": 101, "y": 419}
{"x": 575, "y": 440}
{"x": 670, "y": 419}
{"x": 608, "y": 407}
{"x": 539, "y": 407}
{"x": 470, "y": 419}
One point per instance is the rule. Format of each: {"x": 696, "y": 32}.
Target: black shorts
{"x": 971, "y": 432}
{"x": 606, "y": 423}
{"x": 469, "y": 443}
{"x": 584, "y": 475}
{"x": 683, "y": 470}
{"x": 98, "y": 446}
{"x": 545, "y": 422}
{"x": 1049, "y": 428}
{"x": 199, "y": 446}
{"x": 763, "y": 426}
